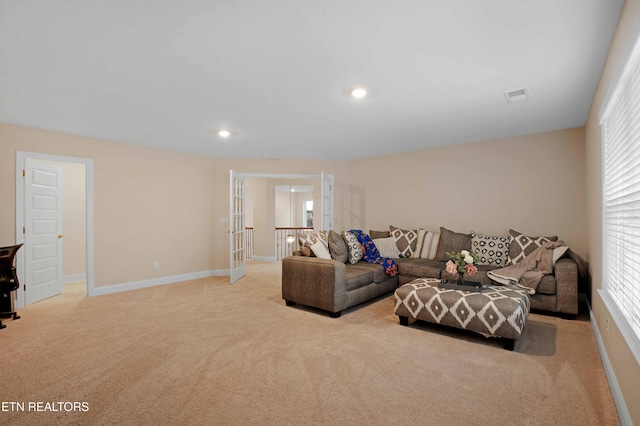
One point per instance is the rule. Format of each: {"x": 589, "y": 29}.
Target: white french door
{"x": 42, "y": 230}
{"x": 236, "y": 226}
{"x": 327, "y": 190}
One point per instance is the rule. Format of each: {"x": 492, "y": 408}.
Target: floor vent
{"x": 517, "y": 95}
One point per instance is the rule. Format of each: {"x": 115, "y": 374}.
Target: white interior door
{"x": 236, "y": 226}
{"x": 327, "y": 201}
{"x": 42, "y": 230}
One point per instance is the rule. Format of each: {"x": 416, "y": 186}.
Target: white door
{"x": 43, "y": 230}
{"x": 236, "y": 226}
{"x": 327, "y": 191}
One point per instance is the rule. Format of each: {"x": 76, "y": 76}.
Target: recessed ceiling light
{"x": 223, "y": 133}
{"x": 359, "y": 92}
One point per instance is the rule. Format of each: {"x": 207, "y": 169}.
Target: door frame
{"x": 21, "y": 156}
{"x": 297, "y": 176}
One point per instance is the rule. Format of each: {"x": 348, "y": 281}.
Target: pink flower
{"x": 470, "y": 269}
{"x": 451, "y": 267}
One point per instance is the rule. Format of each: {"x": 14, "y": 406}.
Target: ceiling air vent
{"x": 517, "y": 95}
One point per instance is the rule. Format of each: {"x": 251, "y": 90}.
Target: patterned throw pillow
{"x": 354, "y": 247}
{"x": 520, "y": 245}
{"x": 387, "y": 247}
{"x": 405, "y": 240}
{"x": 492, "y": 251}
{"x": 429, "y": 246}
{"x": 307, "y": 240}
{"x": 320, "y": 250}
{"x": 451, "y": 242}
{"x": 337, "y": 247}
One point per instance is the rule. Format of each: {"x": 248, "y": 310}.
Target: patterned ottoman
{"x": 496, "y": 311}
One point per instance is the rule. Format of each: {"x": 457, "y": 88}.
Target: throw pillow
{"x": 421, "y": 234}
{"x": 320, "y": 250}
{"x": 354, "y": 247}
{"x": 405, "y": 240}
{"x": 387, "y": 247}
{"x": 451, "y": 242}
{"x": 379, "y": 234}
{"x": 306, "y": 251}
{"x": 520, "y": 245}
{"x": 337, "y": 247}
{"x": 492, "y": 251}
{"x": 558, "y": 252}
{"x": 429, "y": 245}
{"x": 307, "y": 240}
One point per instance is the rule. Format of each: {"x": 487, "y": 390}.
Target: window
{"x": 620, "y": 121}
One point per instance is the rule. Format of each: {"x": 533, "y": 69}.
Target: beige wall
{"x": 533, "y": 184}
{"x": 149, "y": 205}
{"x": 625, "y": 366}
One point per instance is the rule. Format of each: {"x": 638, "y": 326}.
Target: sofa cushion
{"x": 337, "y": 247}
{"x": 387, "y": 247}
{"x": 377, "y": 271}
{"x": 379, "y": 234}
{"x": 356, "y": 278}
{"x": 492, "y": 251}
{"x": 520, "y": 245}
{"x": 420, "y": 268}
{"x": 405, "y": 240}
{"x": 354, "y": 247}
{"x": 451, "y": 242}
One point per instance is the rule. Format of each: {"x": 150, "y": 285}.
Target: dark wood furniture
{"x": 8, "y": 282}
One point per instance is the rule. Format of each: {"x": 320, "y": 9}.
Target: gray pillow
{"x": 451, "y": 242}
{"x": 379, "y": 234}
{"x": 337, "y": 247}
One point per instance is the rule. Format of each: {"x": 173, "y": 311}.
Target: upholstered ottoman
{"x": 495, "y": 311}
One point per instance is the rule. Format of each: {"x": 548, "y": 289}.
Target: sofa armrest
{"x": 315, "y": 282}
{"x": 566, "y": 274}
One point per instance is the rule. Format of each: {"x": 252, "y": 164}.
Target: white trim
{"x": 264, "y": 258}
{"x": 280, "y": 176}
{"x": 136, "y": 285}
{"x": 21, "y": 156}
{"x": 634, "y": 36}
{"x": 621, "y": 322}
{"x": 74, "y": 278}
{"x": 616, "y": 393}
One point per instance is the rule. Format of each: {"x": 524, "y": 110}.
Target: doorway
{"x": 81, "y": 168}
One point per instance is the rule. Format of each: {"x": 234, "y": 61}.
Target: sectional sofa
{"x": 333, "y": 284}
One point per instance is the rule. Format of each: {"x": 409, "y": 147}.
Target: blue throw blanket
{"x": 372, "y": 255}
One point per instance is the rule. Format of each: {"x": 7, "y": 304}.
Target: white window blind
{"x": 620, "y": 122}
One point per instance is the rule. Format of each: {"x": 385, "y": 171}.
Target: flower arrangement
{"x": 462, "y": 263}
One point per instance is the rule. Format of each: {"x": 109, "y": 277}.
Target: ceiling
{"x": 165, "y": 73}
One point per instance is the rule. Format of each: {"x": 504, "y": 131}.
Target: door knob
{"x": 60, "y": 235}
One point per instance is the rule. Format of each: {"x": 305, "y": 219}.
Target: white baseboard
{"x": 73, "y": 278}
{"x": 135, "y": 285}
{"x": 265, "y": 258}
{"x": 618, "y": 399}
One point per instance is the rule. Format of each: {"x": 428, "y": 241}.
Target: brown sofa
{"x": 335, "y": 286}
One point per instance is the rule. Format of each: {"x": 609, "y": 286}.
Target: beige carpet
{"x": 206, "y": 352}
